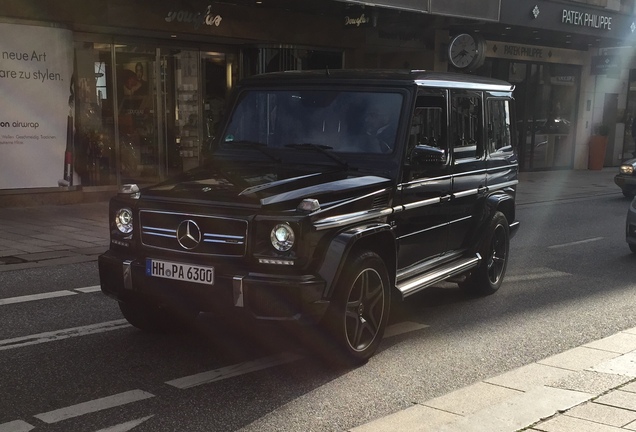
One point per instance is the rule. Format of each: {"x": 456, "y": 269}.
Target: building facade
{"x": 572, "y": 63}
{"x": 102, "y": 93}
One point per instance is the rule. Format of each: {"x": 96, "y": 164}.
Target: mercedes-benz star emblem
{"x": 188, "y": 234}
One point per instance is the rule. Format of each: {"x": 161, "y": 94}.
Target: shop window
{"x": 277, "y": 59}
{"x": 100, "y": 81}
{"x": 94, "y": 145}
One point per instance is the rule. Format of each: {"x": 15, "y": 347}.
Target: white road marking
{"x": 90, "y": 289}
{"x": 535, "y": 276}
{"x": 93, "y": 406}
{"x": 33, "y": 297}
{"x": 16, "y": 426}
{"x": 267, "y": 362}
{"x": 403, "y": 327}
{"x": 62, "y": 334}
{"x": 575, "y": 243}
{"x": 124, "y": 427}
{"x": 233, "y": 370}
{"x": 48, "y": 295}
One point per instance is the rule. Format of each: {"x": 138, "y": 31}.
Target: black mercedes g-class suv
{"x": 326, "y": 194}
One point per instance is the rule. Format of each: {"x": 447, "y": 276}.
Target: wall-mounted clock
{"x": 466, "y": 51}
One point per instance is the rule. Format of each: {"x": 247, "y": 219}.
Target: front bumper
{"x": 626, "y": 183}
{"x": 259, "y": 296}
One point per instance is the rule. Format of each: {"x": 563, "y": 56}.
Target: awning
{"x": 487, "y": 10}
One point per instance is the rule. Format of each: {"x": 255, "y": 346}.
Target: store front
{"x": 144, "y": 112}
{"x": 547, "y": 100}
{"x": 570, "y": 77}
{"x": 140, "y": 92}
{"x": 147, "y": 112}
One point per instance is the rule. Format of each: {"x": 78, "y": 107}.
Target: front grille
{"x": 197, "y": 234}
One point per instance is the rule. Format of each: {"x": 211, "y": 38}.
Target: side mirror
{"x": 427, "y": 155}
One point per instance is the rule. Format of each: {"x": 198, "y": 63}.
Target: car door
{"x": 468, "y": 166}
{"x": 421, "y": 219}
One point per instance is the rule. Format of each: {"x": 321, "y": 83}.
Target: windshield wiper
{"x": 324, "y": 149}
{"x": 255, "y": 145}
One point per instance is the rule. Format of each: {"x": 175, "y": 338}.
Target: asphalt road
{"x": 70, "y": 363}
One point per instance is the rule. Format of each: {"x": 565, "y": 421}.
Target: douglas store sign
{"x": 197, "y": 19}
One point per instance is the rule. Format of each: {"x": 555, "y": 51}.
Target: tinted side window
{"x": 499, "y": 126}
{"x": 427, "y": 123}
{"x": 466, "y": 125}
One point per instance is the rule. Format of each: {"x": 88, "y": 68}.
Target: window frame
{"x": 478, "y": 135}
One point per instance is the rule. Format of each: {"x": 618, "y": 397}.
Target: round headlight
{"x": 124, "y": 220}
{"x": 282, "y": 237}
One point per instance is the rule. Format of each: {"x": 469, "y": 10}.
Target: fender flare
{"x": 340, "y": 246}
{"x": 501, "y": 201}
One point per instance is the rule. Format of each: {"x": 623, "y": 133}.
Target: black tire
{"x": 632, "y": 247}
{"x": 488, "y": 277}
{"x": 144, "y": 317}
{"x": 359, "y": 311}
{"x": 629, "y": 195}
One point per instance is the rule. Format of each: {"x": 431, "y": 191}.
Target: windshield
{"x": 337, "y": 121}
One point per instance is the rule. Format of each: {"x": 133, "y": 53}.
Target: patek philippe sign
{"x": 521, "y": 52}
{"x": 562, "y": 16}
{"x": 606, "y": 65}
{"x": 586, "y": 19}
{"x": 36, "y": 64}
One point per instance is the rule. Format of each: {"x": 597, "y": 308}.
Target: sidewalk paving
{"x": 588, "y": 388}
{"x": 52, "y": 235}
{"x": 591, "y": 388}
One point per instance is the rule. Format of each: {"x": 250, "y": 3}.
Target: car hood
{"x": 265, "y": 185}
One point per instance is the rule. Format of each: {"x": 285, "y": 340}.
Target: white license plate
{"x": 180, "y": 271}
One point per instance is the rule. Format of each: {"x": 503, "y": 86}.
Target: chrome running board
{"x": 417, "y": 283}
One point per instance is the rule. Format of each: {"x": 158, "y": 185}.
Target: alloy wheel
{"x": 364, "y": 309}
{"x": 498, "y": 255}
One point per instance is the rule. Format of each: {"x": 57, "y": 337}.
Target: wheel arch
{"x": 498, "y": 202}
{"x": 504, "y": 203}
{"x": 378, "y": 238}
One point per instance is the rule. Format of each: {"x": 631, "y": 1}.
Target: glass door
{"x": 546, "y": 108}
{"x": 139, "y": 150}
{"x": 181, "y": 109}
{"x": 95, "y": 145}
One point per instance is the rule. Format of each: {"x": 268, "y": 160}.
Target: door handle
{"x": 445, "y": 198}
{"x": 482, "y": 190}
